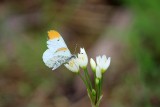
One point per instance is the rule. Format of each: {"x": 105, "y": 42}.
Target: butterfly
{"x": 57, "y": 52}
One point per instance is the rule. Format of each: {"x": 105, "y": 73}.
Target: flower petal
{"x": 72, "y": 65}
{"x": 82, "y": 58}
{"x": 98, "y": 60}
{"x": 107, "y": 63}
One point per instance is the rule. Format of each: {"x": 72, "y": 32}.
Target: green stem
{"x": 100, "y": 88}
{"x": 98, "y": 92}
{"x": 99, "y": 95}
{"x": 88, "y": 90}
{"x": 101, "y": 84}
{"x": 96, "y": 88}
{"x": 85, "y": 82}
{"x": 88, "y": 78}
{"x": 93, "y": 105}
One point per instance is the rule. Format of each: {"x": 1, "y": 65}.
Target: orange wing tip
{"x": 61, "y": 49}
{"x": 52, "y": 34}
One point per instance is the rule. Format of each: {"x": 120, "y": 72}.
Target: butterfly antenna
{"x": 75, "y": 49}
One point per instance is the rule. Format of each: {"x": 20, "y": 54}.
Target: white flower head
{"x": 93, "y": 65}
{"x": 82, "y": 58}
{"x": 72, "y": 65}
{"x": 98, "y": 72}
{"x": 103, "y": 62}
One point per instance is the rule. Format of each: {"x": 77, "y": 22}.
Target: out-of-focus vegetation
{"x": 145, "y": 44}
{"x": 126, "y": 30}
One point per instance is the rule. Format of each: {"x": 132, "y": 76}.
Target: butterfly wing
{"x": 55, "y": 59}
{"x": 57, "y": 52}
{"x": 55, "y": 41}
{"x": 58, "y": 61}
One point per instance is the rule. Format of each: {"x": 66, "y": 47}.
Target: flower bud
{"x": 97, "y": 81}
{"x": 93, "y": 65}
{"x": 93, "y": 92}
{"x": 98, "y": 72}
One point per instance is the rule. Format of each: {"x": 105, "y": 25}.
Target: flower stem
{"x": 85, "y": 82}
{"x": 88, "y": 89}
{"x": 88, "y": 78}
{"x": 93, "y": 105}
{"x": 101, "y": 83}
{"x": 98, "y": 91}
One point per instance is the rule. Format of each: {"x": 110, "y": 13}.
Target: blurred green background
{"x": 126, "y": 30}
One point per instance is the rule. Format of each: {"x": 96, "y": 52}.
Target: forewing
{"x": 56, "y": 43}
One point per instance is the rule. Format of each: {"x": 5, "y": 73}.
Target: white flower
{"x": 72, "y": 65}
{"x": 98, "y": 72}
{"x": 93, "y": 65}
{"x": 103, "y": 62}
{"x": 82, "y": 58}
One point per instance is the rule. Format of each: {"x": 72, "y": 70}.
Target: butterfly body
{"x": 57, "y": 52}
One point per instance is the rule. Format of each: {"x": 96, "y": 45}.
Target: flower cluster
{"x": 81, "y": 61}
{"x": 99, "y": 67}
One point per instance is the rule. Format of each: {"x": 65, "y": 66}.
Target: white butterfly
{"x": 57, "y": 52}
